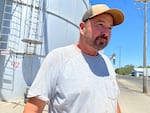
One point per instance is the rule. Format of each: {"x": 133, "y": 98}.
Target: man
{"x": 78, "y": 78}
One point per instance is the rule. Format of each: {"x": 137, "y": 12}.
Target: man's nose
{"x": 106, "y": 32}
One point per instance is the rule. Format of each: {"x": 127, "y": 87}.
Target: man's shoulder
{"x": 64, "y": 52}
{"x": 64, "y": 49}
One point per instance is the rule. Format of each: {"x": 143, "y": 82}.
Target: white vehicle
{"x": 140, "y": 72}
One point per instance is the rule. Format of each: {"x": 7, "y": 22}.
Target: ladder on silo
{"x": 7, "y": 69}
{"x": 11, "y": 26}
{"x": 33, "y": 29}
{"x": 9, "y": 40}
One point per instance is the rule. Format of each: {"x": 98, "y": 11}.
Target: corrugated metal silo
{"x": 29, "y": 29}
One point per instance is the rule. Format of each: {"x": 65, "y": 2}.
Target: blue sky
{"x": 127, "y": 38}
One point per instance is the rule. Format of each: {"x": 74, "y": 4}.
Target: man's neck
{"x": 87, "y": 49}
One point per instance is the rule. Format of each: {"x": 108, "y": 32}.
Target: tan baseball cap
{"x": 118, "y": 16}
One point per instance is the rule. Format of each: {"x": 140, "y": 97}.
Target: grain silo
{"x": 29, "y": 29}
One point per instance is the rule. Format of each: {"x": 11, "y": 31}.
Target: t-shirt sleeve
{"x": 43, "y": 87}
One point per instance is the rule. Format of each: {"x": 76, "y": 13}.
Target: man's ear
{"x": 82, "y": 25}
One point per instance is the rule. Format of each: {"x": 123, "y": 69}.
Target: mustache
{"x": 103, "y": 36}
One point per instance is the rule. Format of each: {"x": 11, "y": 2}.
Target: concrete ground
{"x": 15, "y": 106}
{"x": 131, "y": 99}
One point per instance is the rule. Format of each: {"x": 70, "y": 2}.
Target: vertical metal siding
{"x": 1, "y": 12}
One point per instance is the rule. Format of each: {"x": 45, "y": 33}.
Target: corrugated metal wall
{"x": 1, "y": 11}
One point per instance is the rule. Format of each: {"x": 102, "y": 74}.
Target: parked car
{"x": 136, "y": 73}
{"x": 140, "y": 72}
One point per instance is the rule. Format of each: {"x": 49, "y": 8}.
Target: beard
{"x": 100, "y": 42}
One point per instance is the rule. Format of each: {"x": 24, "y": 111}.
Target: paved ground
{"x": 11, "y": 107}
{"x": 14, "y": 106}
{"x": 131, "y": 100}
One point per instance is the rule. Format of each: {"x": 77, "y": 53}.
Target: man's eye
{"x": 100, "y": 25}
{"x": 110, "y": 28}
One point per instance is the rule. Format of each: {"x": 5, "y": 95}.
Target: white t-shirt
{"x": 69, "y": 83}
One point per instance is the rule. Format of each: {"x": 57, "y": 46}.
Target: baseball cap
{"x": 118, "y": 16}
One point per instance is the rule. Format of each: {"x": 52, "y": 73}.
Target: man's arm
{"x": 118, "y": 108}
{"x": 34, "y": 105}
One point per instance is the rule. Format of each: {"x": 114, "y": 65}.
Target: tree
{"x": 126, "y": 70}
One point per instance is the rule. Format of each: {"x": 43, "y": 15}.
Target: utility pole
{"x": 145, "y": 77}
